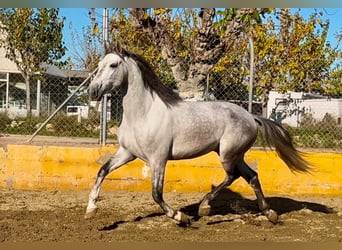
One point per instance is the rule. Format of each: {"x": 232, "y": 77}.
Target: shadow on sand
{"x": 229, "y": 202}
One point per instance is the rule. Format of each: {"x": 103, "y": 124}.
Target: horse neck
{"x": 137, "y": 99}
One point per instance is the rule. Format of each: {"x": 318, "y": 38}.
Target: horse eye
{"x": 114, "y": 65}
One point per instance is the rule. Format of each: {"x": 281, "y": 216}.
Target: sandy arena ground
{"x": 56, "y": 216}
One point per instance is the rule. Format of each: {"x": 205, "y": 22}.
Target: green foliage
{"x": 323, "y": 134}
{"x": 60, "y": 125}
{"x": 31, "y": 37}
{"x": 138, "y": 41}
{"x": 297, "y": 57}
{"x": 4, "y": 121}
{"x": 88, "y": 48}
{"x": 292, "y": 54}
{"x": 333, "y": 86}
{"x": 18, "y": 125}
{"x": 86, "y": 128}
{"x": 289, "y": 54}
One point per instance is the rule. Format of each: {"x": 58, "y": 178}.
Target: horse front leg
{"x": 121, "y": 157}
{"x": 158, "y": 172}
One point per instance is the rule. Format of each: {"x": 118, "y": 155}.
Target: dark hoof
{"x": 271, "y": 216}
{"x": 204, "y": 210}
{"x": 90, "y": 213}
{"x": 182, "y": 219}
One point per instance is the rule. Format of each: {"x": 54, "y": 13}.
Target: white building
{"x": 291, "y": 106}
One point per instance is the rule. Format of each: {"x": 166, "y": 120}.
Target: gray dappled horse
{"x": 157, "y": 126}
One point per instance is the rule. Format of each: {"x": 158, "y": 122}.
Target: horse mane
{"x": 150, "y": 78}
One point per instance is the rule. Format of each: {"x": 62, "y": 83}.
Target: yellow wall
{"x": 75, "y": 168}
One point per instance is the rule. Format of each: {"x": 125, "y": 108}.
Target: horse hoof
{"x": 182, "y": 219}
{"x": 204, "y": 210}
{"x": 90, "y": 213}
{"x": 271, "y": 216}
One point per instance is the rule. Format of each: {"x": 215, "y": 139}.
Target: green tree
{"x": 185, "y": 45}
{"x": 31, "y": 37}
{"x": 333, "y": 86}
{"x": 124, "y": 29}
{"x": 87, "y": 49}
{"x": 291, "y": 53}
{"x": 296, "y": 56}
{"x": 189, "y": 41}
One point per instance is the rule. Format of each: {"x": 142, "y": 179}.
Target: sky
{"x": 76, "y": 18}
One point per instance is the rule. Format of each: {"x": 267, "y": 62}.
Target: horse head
{"x": 111, "y": 73}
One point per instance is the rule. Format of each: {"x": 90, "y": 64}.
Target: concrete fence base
{"x": 75, "y": 168}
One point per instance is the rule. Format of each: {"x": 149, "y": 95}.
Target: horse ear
{"x": 114, "y": 47}
{"x": 119, "y": 48}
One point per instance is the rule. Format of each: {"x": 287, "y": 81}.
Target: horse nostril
{"x": 92, "y": 94}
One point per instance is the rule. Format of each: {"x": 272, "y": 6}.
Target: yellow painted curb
{"x": 75, "y": 168}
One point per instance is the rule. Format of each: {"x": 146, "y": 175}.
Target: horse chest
{"x": 142, "y": 142}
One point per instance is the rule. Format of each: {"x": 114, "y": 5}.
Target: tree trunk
{"x": 28, "y": 96}
{"x": 208, "y": 47}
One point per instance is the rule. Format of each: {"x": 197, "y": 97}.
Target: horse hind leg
{"x": 121, "y": 157}
{"x": 252, "y": 178}
{"x": 231, "y": 175}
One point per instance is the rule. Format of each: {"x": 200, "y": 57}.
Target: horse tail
{"x": 277, "y": 136}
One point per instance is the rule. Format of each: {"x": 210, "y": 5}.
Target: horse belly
{"x": 194, "y": 143}
{"x": 188, "y": 150}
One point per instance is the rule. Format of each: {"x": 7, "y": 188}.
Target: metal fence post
{"x": 104, "y": 100}
{"x": 103, "y": 120}
{"x": 251, "y": 74}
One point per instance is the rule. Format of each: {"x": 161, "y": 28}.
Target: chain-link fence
{"x": 314, "y": 121}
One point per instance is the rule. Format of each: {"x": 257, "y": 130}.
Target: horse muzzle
{"x": 95, "y": 94}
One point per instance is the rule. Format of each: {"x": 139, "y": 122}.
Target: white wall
{"x": 296, "y": 105}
